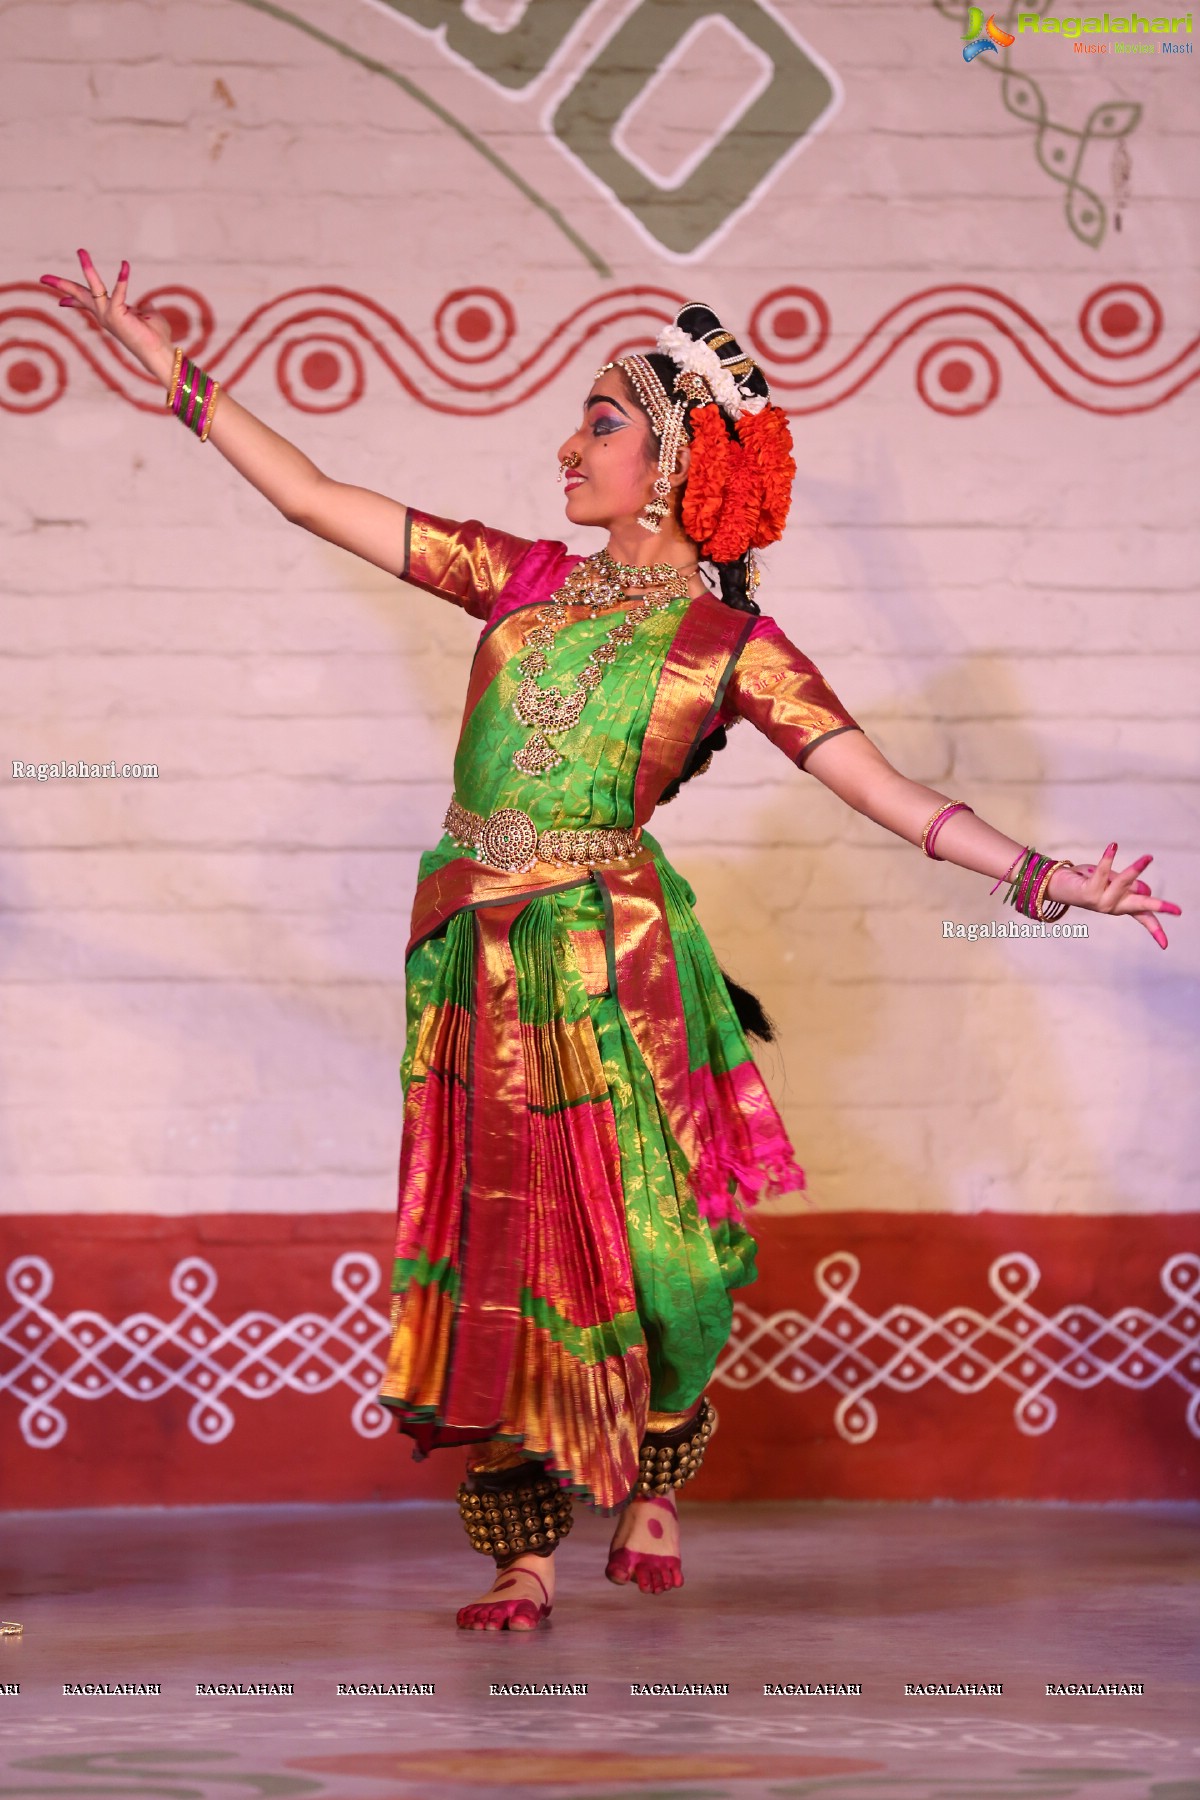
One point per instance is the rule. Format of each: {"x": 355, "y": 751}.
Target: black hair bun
{"x": 702, "y": 324}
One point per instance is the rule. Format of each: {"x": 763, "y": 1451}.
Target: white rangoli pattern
{"x": 46, "y": 1358}
{"x": 859, "y": 1354}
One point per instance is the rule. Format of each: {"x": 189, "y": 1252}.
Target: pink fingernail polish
{"x": 124, "y": 275}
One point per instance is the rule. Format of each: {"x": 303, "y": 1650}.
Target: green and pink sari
{"x": 584, "y": 1123}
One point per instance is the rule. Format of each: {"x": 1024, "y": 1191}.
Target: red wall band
{"x": 879, "y": 1356}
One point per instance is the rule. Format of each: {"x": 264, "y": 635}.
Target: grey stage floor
{"x": 874, "y": 1596}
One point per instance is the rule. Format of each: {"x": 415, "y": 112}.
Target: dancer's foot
{"x": 645, "y": 1545}
{"x": 518, "y": 1600}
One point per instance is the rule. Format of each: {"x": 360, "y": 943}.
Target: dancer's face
{"x": 618, "y": 456}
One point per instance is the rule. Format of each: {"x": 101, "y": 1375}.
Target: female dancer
{"x": 584, "y": 1121}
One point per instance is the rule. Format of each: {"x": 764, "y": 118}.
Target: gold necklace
{"x": 596, "y": 580}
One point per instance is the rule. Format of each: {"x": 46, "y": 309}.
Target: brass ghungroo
{"x": 667, "y": 1459}
{"x": 514, "y": 1511}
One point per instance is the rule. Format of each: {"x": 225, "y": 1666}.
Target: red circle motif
{"x": 319, "y": 370}
{"x": 32, "y": 381}
{"x": 473, "y": 325}
{"x": 954, "y": 377}
{"x": 1122, "y": 319}
{"x": 1118, "y": 319}
{"x": 961, "y": 376}
{"x": 791, "y": 323}
{"x": 308, "y": 367}
{"x": 789, "y": 315}
{"x": 24, "y": 377}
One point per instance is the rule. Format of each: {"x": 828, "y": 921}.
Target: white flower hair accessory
{"x": 693, "y": 343}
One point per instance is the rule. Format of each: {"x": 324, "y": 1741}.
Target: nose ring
{"x": 568, "y": 462}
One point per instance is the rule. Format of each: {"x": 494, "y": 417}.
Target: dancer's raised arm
{"x": 368, "y": 524}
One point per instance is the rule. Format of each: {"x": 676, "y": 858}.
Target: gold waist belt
{"x": 510, "y": 841}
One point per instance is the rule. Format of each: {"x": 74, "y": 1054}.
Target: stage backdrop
{"x": 405, "y": 232}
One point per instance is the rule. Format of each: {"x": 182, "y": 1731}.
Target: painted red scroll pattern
{"x": 958, "y": 341}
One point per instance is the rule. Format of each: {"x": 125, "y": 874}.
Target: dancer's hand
{"x": 144, "y": 333}
{"x": 1095, "y": 887}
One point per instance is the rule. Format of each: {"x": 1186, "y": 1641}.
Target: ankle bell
{"x": 514, "y": 1512}
{"x": 668, "y": 1459}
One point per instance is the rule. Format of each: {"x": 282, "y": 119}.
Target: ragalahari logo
{"x": 984, "y": 37}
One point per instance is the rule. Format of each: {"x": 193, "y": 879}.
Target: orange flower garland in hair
{"x": 740, "y": 511}
{"x": 767, "y": 438}
{"x": 739, "y": 488}
{"x": 708, "y": 473}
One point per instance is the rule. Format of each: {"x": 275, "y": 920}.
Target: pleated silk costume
{"x": 583, "y": 1119}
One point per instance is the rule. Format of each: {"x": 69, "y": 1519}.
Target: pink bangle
{"x": 1012, "y": 865}
{"x": 200, "y": 409}
{"x": 938, "y": 820}
{"x": 1029, "y": 882}
{"x": 193, "y": 411}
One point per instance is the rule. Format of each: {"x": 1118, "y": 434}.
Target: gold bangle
{"x": 174, "y": 382}
{"x": 212, "y": 407}
{"x": 942, "y": 812}
{"x": 1054, "y": 908}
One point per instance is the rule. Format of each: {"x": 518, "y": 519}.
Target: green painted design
{"x": 511, "y": 56}
{"x": 684, "y": 216}
{"x": 1060, "y": 149}
{"x": 444, "y": 117}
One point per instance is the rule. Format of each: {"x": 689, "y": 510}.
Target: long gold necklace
{"x": 593, "y": 582}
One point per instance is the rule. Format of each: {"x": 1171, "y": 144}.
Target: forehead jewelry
{"x": 666, "y": 417}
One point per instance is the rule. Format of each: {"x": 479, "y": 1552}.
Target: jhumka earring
{"x": 666, "y": 417}
{"x": 656, "y": 510}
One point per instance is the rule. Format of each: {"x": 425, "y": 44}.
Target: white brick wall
{"x": 202, "y": 975}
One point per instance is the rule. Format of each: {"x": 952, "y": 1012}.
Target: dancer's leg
{"x": 516, "y": 1514}
{"x": 645, "y": 1544}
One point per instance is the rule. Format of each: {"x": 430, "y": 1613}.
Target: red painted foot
{"x": 506, "y": 1615}
{"x": 654, "y": 1574}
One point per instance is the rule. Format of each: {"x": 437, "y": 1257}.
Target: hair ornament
{"x": 740, "y": 476}
{"x": 694, "y": 357}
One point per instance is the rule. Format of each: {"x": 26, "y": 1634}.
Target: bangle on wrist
{"x": 1029, "y": 881}
{"x": 192, "y": 396}
{"x": 935, "y": 824}
{"x": 1044, "y": 908}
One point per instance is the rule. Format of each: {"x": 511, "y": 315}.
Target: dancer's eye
{"x": 605, "y": 424}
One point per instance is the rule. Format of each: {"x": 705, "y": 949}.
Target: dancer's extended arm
{"x": 857, "y": 771}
